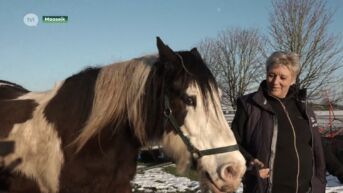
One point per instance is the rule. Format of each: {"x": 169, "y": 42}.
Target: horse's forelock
{"x": 196, "y": 72}
{"x": 209, "y": 93}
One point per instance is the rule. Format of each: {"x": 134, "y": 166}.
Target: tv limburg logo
{"x": 31, "y": 20}
{"x": 55, "y": 19}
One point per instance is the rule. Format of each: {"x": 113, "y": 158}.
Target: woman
{"x": 278, "y": 135}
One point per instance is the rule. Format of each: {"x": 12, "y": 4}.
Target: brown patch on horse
{"x": 13, "y": 112}
{"x": 9, "y": 90}
{"x": 69, "y": 109}
{"x": 21, "y": 184}
{"x": 107, "y": 163}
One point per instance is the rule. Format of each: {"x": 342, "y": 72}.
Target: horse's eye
{"x": 189, "y": 100}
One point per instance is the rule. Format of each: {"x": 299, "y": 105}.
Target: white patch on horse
{"x": 202, "y": 126}
{"x": 38, "y": 145}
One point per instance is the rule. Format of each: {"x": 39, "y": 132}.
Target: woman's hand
{"x": 262, "y": 172}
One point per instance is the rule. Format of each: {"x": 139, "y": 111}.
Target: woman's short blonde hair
{"x": 289, "y": 59}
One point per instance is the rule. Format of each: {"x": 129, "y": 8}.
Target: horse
{"x": 84, "y": 134}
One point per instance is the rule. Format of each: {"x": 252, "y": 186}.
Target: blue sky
{"x": 101, "y": 32}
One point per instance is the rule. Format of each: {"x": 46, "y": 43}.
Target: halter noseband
{"x": 195, "y": 152}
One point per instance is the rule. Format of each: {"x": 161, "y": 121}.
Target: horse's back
{"x": 10, "y": 90}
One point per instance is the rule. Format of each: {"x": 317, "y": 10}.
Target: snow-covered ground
{"x": 157, "y": 181}
{"x": 333, "y": 185}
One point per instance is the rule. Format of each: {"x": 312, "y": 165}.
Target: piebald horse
{"x": 84, "y": 134}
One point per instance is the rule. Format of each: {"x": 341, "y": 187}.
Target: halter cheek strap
{"x": 195, "y": 152}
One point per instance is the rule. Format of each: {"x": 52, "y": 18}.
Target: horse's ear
{"x": 166, "y": 53}
{"x": 195, "y": 52}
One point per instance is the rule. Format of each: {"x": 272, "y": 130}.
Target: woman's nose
{"x": 275, "y": 80}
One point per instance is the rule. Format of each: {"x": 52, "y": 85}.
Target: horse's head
{"x": 195, "y": 130}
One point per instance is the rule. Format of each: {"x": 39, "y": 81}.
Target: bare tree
{"x": 236, "y": 59}
{"x": 301, "y": 26}
{"x": 209, "y": 49}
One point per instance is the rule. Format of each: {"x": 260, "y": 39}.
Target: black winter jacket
{"x": 255, "y": 127}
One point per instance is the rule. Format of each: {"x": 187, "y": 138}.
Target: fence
{"x": 322, "y": 118}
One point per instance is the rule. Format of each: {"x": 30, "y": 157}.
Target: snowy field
{"x": 158, "y": 181}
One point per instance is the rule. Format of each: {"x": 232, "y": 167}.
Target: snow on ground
{"x": 157, "y": 181}
{"x": 333, "y": 185}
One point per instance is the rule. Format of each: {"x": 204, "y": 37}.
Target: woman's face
{"x": 279, "y": 79}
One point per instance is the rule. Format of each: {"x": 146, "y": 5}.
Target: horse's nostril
{"x": 228, "y": 172}
{"x": 226, "y": 178}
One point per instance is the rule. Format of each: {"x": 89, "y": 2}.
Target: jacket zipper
{"x": 295, "y": 145}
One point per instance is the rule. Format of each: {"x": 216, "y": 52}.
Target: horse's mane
{"x": 118, "y": 98}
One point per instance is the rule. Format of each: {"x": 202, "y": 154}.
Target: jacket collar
{"x": 261, "y": 99}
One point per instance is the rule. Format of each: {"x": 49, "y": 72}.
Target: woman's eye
{"x": 189, "y": 101}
